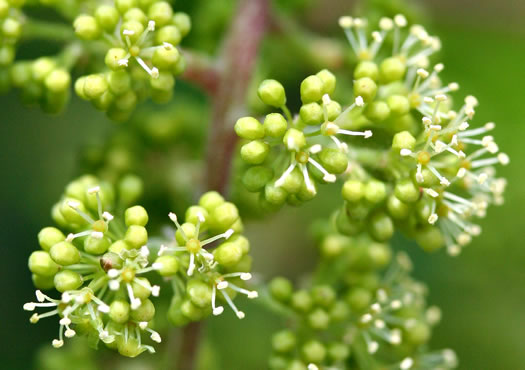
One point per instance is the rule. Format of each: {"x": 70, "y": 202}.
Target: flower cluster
{"x": 290, "y": 156}
{"x": 11, "y": 19}
{"x": 98, "y": 266}
{"x": 207, "y": 261}
{"x": 141, "y": 55}
{"x": 365, "y": 318}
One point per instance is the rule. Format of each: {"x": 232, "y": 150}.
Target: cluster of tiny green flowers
{"x": 140, "y": 40}
{"x": 437, "y": 175}
{"x": 289, "y": 155}
{"x": 97, "y": 264}
{"x": 207, "y": 261}
{"x": 11, "y": 19}
{"x": 365, "y": 319}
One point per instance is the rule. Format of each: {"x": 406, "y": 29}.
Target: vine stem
{"x": 227, "y": 86}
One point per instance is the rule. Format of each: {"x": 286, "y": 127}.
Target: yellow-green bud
{"x": 271, "y": 92}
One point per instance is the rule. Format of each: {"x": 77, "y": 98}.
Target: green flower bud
{"x": 41, "y": 68}
{"x": 11, "y": 28}
{"x": 417, "y": 333}
{"x": 311, "y": 114}
{"x": 375, "y": 191}
{"x": 284, "y": 341}
{"x": 296, "y": 365}
{"x": 338, "y": 352}
{"x": 79, "y": 88}
{"x": 311, "y": 89}
{"x": 255, "y": 178}
{"x": 67, "y": 280}
{"x": 329, "y": 81}
{"x": 49, "y": 236}
{"x": 43, "y": 282}
{"x": 359, "y": 299}
{"x": 124, "y": 5}
{"x": 136, "y": 28}
{"x": 430, "y": 239}
{"x": 403, "y": 140}
{"x": 165, "y": 58}
{"x": 118, "y": 82}
{"x": 183, "y": 23}
{"x": 20, "y": 74}
{"x": 107, "y": 17}
{"x": 192, "y": 312}
{"x": 118, "y": 246}
{"x": 119, "y": 311}
{"x": 377, "y": 111}
{"x": 228, "y": 254}
{"x": 194, "y": 213}
{"x": 58, "y": 81}
{"x": 323, "y": 295}
{"x": 141, "y": 290}
{"x": 113, "y": 56}
{"x": 7, "y": 56}
{"x": 40, "y": 263}
{"x": 398, "y": 105}
{"x": 135, "y": 14}
{"x": 145, "y": 312}
{"x": 165, "y": 82}
{"x": 275, "y": 195}
{"x": 314, "y": 351}
{"x": 281, "y": 289}
{"x": 130, "y": 188}
{"x": 302, "y": 301}
{"x": 406, "y": 191}
{"x": 293, "y": 182}
{"x": 366, "y": 69}
{"x": 199, "y": 293}
{"x": 255, "y": 152}
{"x": 396, "y": 208}
{"x": 319, "y": 319}
{"x": 4, "y": 8}
{"x": 86, "y": 27}
{"x": 275, "y": 125}
{"x": 271, "y": 92}
{"x": 65, "y": 253}
{"x": 333, "y": 110}
{"x": 169, "y": 34}
{"x": 96, "y": 246}
{"x": 136, "y": 236}
{"x": 381, "y": 227}
{"x": 169, "y": 265}
{"x": 379, "y": 255}
{"x": 136, "y": 215}
{"x": 366, "y": 88}
{"x": 353, "y": 190}
{"x": 340, "y": 311}
{"x": 294, "y": 139}
{"x": 333, "y": 160}
{"x": 94, "y": 86}
{"x": 249, "y": 128}
{"x": 392, "y": 69}
{"x": 161, "y": 13}
{"x": 129, "y": 348}
{"x": 225, "y": 215}
{"x": 346, "y": 226}
{"x": 211, "y": 200}
{"x": 333, "y": 245}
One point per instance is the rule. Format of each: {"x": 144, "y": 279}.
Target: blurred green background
{"x": 481, "y": 293}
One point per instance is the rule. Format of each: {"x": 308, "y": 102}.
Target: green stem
{"x": 41, "y": 30}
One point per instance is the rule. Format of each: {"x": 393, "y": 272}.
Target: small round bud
{"x": 323, "y": 295}
{"x": 366, "y": 69}
{"x": 225, "y": 215}
{"x": 333, "y": 110}
{"x": 11, "y": 28}
{"x": 107, "y": 17}
{"x": 130, "y": 348}
{"x": 249, "y": 128}
{"x": 377, "y": 111}
{"x": 136, "y": 236}
{"x": 132, "y": 30}
{"x": 293, "y": 182}
{"x": 168, "y": 265}
{"x": 271, "y": 92}
{"x": 333, "y": 245}
{"x": 333, "y": 160}
{"x": 113, "y": 58}
{"x": 381, "y": 227}
{"x": 255, "y": 152}
{"x": 281, "y": 289}
{"x": 417, "y": 333}
{"x": 199, "y": 293}
{"x": 169, "y": 34}
{"x": 228, "y": 254}
{"x": 136, "y": 215}
{"x": 183, "y": 22}
{"x": 283, "y": 341}
{"x": 406, "y": 191}
{"x": 145, "y": 312}
{"x": 329, "y": 81}
{"x": 302, "y": 301}
{"x": 43, "y": 282}
{"x": 94, "y": 86}
{"x": 124, "y": 5}
{"x": 49, "y": 236}
{"x": 40, "y": 263}
{"x": 338, "y": 352}
{"x": 275, "y": 195}
{"x": 375, "y": 191}
{"x": 403, "y": 140}
{"x": 319, "y": 319}
{"x": 275, "y": 125}
{"x": 41, "y": 68}
{"x": 118, "y": 82}
{"x": 165, "y": 58}
{"x": 294, "y": 139}
{"x": 161, "y": 13}
{"x": 130, "y": 188}
{"x": 65, "y": 253}
{"x": 366, "y": 88}
{"x": 398, "y": 105}
{"x": 96, "y": 246}
{"x": 211, "y": 200}
{"x": 430, "y": 239}
{"x": 311, "y": 114}
{"x": 311, "y": 89}
{"x": 86, "y": 27}
{"x": 314, "y": 351}
{"x": 141, "y": 288}
{"x": 392, "y": 69}
{"x": 67, "y": 280}
{"x": 119, "y": 311}
{"x": 255, "y": 178}
{"x": 58, "y": 81}
{"x": 353, "y": 190}
{"x": 339, "y": 311}
{"x": 396, "y": 208}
